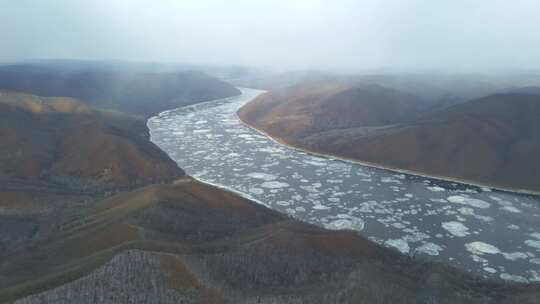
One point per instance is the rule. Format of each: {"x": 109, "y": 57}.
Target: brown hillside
{"x": 307, "y": 109}
{"x": 49, "y": 138}
{"x": 214, "y": 244}
{"x": 493, "y": 140}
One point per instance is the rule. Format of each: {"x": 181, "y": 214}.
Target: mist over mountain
{"x": 272, "y": 151}
{"x": 345, "y": 35}
{"x": 142, "y": 89}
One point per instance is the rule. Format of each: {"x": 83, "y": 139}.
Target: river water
{"x": 491, "y": 233}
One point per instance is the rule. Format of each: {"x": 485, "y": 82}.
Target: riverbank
{"x": 379, "y": 166}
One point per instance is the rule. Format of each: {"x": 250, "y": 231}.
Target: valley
{"x": 486, "y": 231}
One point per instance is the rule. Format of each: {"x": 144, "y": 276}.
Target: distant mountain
{"x": 133, "y": 89}
{"x": 494, "y": 140}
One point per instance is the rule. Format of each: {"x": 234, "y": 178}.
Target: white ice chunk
{"x": 456, "y": 228}
{"x": 514, "y": 255}
{"x": 476, "y": 203}
{"x": 430, "y": 249}
{"x": 436, "y": 189}
{"x": 263, "y": 176}
{"x": 511, "y": 209}
{"x": 514, "y": 278}
{"x": 481, "y": 248}
{"x": 533, "y": 243}
{"x": 350, "y": 223}
{"x": 274, "y": 185}
{"x": 399, "y": 244}
{"x": 256, "y": 191}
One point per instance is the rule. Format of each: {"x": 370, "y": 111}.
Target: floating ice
{"x": 201, "y": 131}
{"x": 481, "y": 248}
{"x": 350, "y": 223}
{"x": 533, "y": 243}
{"x": 430, "y": 249}
{"x": 283, "y": 203}
{"x": 256, "y": 191}
{"x": 476, "y": 203}
{"x": 466, "y": 211}
{"x": 274, "y": 185}
{"x": 511, "y": 209}
{"x": 399, "y": 244}
{"x": 320, "y": 207}
{"x": 514, "y": 278}
{"x": 514, "y": 255}
{"x": 263, "y": 176}
{"x": 535, "y": 235}
{"x": 490, "y": 270}
{"x": 456, "y": 228}
{"x": 315, "y": 163}
{"x": 390, "y": 180}
{"x": 436, "y": 189}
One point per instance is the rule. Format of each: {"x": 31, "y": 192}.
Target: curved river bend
{"x": 491, "y": 233}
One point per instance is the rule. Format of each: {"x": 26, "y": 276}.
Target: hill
{"x": 492, "y": 140}
{"x": 195, "y": 243}
{"x": 64, "y": 141}
{"x": 303, "y": 110}
{"x": 130, "y": 88}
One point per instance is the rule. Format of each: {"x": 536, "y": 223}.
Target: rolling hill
{"x": 64, "y": 140}
{"x": 492, "y": 140}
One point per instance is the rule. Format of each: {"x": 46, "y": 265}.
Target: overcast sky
{"x": 352, "y": 34}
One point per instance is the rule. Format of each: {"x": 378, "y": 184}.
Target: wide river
{"x": 488, "y": 232}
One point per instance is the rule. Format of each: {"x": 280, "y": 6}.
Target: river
{"x": 491, "y": 233}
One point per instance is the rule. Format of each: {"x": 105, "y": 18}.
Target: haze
{"x": 347, "y": 34}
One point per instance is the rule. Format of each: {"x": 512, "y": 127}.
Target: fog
{"x": 285, "y": 34}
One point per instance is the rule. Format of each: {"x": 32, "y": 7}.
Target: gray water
{"x": 491, "y": 233}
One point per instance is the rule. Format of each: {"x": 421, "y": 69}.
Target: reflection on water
{"x": 492, "y": 233}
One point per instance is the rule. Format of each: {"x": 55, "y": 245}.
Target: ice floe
{"x": 400, "y": 244}
{"x": 533, "y": 243}
{"x": 436, "y": 189}
{"x": 430, "y": 249}
{"x": 456, "y": 228}
{"x": 476, "y": 203}
{"x": 274, "y": 185}
{"x": 480, "y": 248}
{"x": 514, "y": 278}
{"x": 348, "y": 223}
{"x": 263, "y": 176}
